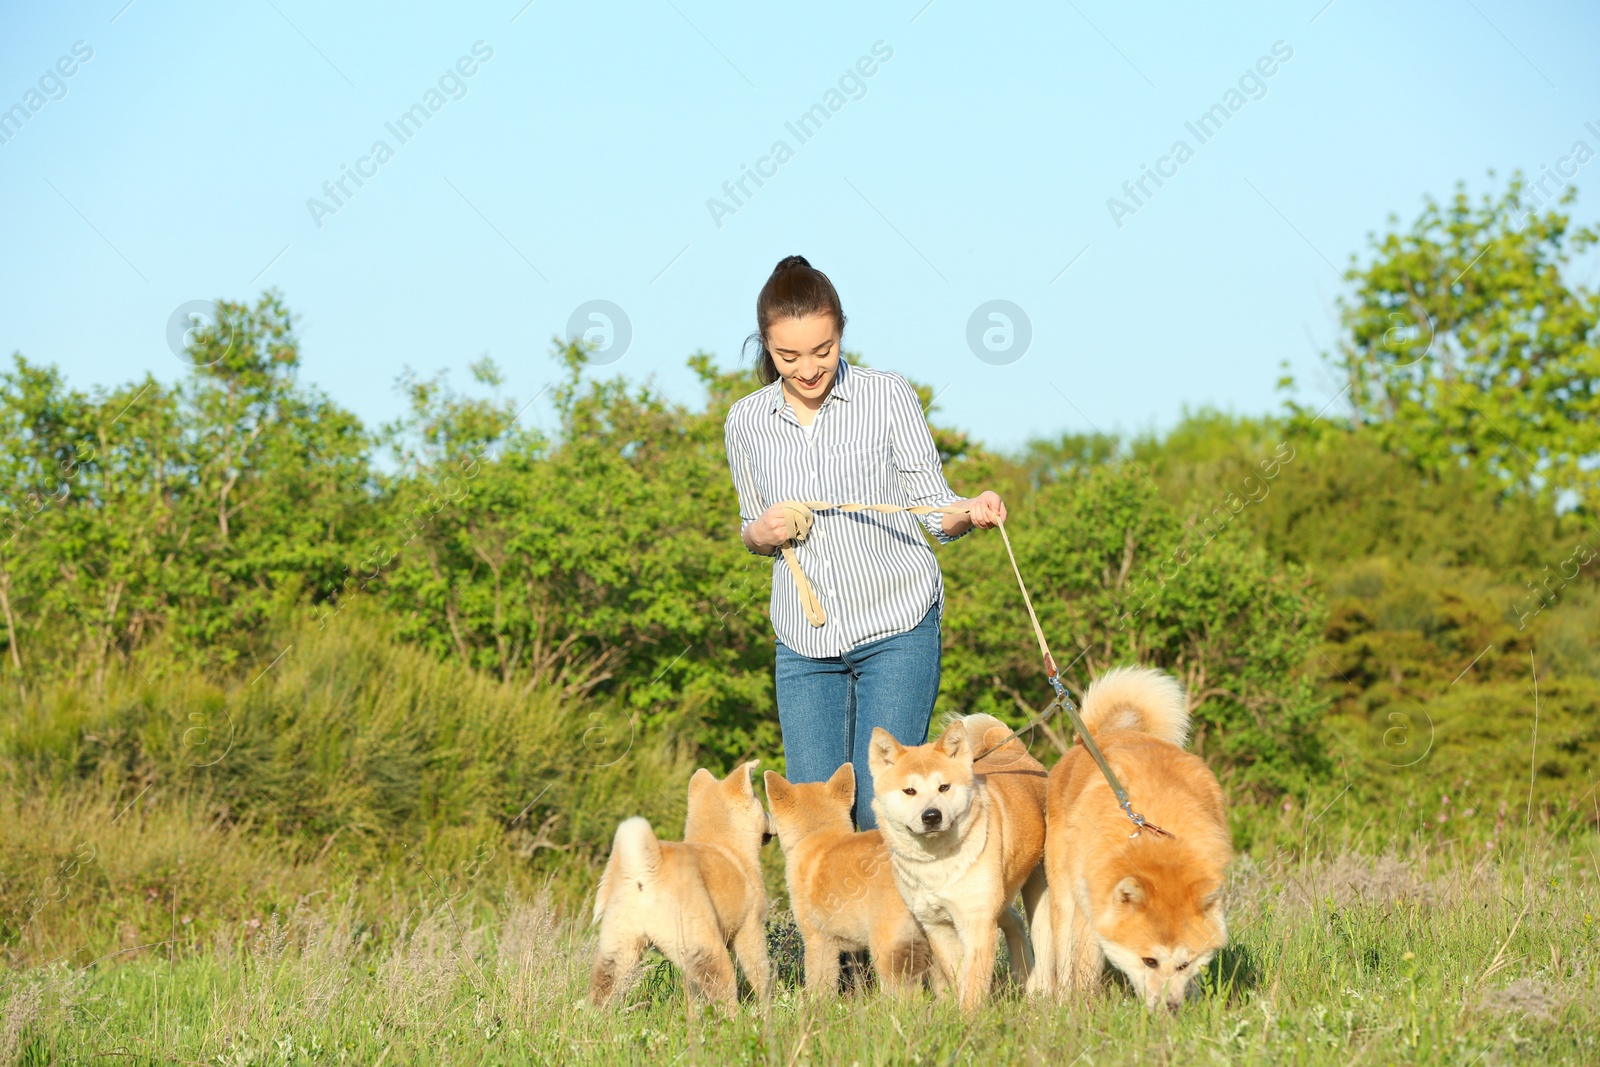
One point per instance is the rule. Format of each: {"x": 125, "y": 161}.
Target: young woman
{"x": 821, "y": 429}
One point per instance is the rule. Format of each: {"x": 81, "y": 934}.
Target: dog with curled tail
{"x": 693, "y": 900}
{"x": 1148, "y": 902}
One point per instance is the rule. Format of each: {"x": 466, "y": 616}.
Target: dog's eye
{"x": 1182, "y": 965}
{"x": 945, "y": 788}
{"x": 1149, "y": 961}
{"x": 910, "y": 792}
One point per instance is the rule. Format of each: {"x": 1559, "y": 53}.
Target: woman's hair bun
{"x": 790, "y": 261}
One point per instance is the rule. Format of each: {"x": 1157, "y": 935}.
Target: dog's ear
{"x": 842, "y": 786}
{"x": 882, "y": 751}
{"x": 1128, "y": 893}
{"x": 955, "y": 743}
{"x": 741, "y": 780}
{"x": 700, "y": 779}
{"x": 779, "y": 792}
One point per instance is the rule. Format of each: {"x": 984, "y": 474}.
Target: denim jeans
{"x": 828, "y": 707}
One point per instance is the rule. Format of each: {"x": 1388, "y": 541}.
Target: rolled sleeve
{"x": 916, "y": 459}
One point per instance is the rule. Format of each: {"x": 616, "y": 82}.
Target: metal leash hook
{"x": 1139, "y": 821}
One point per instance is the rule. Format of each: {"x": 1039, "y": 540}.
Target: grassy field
{"x": 366, "y": 855}
{"x": 1479, "y": 953}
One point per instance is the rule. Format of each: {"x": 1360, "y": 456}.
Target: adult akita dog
{"x": 693, "y": 899}
{"x": 1151, "y": 903}
{"x": 963, "y": 839}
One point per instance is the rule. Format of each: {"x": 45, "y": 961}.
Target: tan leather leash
{"x": 798, "y": 516}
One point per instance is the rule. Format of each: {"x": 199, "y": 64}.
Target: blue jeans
{"x": 828, "y": 707}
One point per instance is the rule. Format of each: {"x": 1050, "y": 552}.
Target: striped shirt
{"x": 874, "y": 574}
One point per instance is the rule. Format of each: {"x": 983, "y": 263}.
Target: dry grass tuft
{"x": 1527, "y": 998}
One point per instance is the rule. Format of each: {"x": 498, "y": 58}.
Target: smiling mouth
{"x": 810, "y": 383}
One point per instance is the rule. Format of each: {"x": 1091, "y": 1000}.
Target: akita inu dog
{"x": 692, "y": 900}
{"x": 964, "y": 838}
{"x": 841, "y": 888}
{"x": 1148, "y": 902}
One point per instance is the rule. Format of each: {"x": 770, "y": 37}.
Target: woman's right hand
{"x": 769, "y": 531}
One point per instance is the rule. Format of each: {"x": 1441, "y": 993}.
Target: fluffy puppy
{"x": 693, "y": 900}
{"x": 964, "y": 838}
{"x": 841, "y": 887}
{"x": 1149, "y": 903}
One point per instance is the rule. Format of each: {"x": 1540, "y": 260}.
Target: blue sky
{"x": 576, "y": 163}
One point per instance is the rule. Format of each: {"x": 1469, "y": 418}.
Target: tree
{"x": 189, "y": 514}
{"x": 1466, "y": 345}
{"x": 604, "y": 558}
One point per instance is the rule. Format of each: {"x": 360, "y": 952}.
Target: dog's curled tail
{"x": 635, "y": 857}
{"x": 984, "y": 731}
{"x": 1137, "y": 698}
{"x": 978, "y": 725}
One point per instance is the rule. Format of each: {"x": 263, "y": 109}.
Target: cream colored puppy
{"x": 693, "y": 900}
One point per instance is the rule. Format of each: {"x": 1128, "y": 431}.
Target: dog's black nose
{"x": 931, "y": 817}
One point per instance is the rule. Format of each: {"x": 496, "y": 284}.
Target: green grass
{"x": 391, "y": 860}
{"x": 1466, "y": 955}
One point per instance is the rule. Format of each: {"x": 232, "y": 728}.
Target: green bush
{"x": 355, "y": 759}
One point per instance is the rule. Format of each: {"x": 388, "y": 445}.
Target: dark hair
{"x": 795, "y": 289}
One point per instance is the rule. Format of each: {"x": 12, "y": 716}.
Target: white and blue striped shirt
{"x": 874, "y": 574}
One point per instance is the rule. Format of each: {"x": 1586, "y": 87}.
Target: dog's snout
{"x": 932, "y": 817}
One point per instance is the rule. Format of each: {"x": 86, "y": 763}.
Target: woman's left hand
{"x": 988, "y": 510}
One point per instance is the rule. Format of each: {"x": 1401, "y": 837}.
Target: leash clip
{"x": 1139, "y": 820}
{"x": 1061, "y": 691}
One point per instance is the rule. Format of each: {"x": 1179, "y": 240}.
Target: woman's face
{"x": 806, "y": 353}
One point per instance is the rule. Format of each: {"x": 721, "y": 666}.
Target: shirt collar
{"x": 841, "y": 386}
